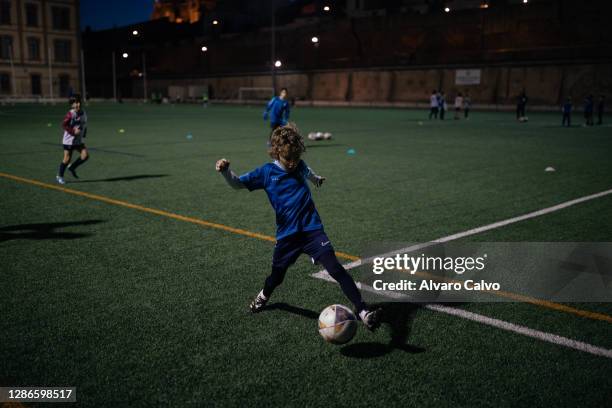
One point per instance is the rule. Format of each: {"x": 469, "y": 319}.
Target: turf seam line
{"x": 489, "y": 321}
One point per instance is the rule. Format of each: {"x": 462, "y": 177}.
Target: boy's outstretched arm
{"x": 222, "y": 166}
{"x": 313, "y": 177}
{"x": 268, "y": 107}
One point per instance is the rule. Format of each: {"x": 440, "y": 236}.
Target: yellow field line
{"x": 239, "y": 231}
{"x": 528, "y": 299}
{"x": 174, "y": 216}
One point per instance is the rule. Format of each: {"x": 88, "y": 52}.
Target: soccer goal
{"x": 246, "y": 94}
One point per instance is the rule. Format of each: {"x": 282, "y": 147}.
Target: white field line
{"x": 478, "y": 230}
{"x": 489, "y": 321}
{"x": 501, "y": 324}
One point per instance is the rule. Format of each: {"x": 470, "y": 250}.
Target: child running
{"x": 278, "y": 110}
{"x": 75, "y": 130}
{"x": 299, "y": 227}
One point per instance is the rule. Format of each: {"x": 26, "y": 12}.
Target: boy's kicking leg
{"x": 319, "y": 248}
{"x": 335, "y": 269}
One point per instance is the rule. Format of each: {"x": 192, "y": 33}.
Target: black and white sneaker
{"x": 72, "y": 171}
{"x": 258, "y": 303}
{"x": 371, "y": 318}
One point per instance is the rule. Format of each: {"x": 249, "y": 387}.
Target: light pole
{"x": 114, "y": 77}
{"x": 273, "y": 47}
{"x": 136, "y": 33}
{"x": 144, "y": 75}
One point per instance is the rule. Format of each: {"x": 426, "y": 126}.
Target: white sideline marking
{"x": 489, "y": 321}
{"x": 478, "y": 230}
{"x": 501, "y": 324}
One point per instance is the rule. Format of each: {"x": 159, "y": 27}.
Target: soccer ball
{"x": 312, "y": 136}
{"x": 327, "y": 136}
{"x": 337, "y": 324}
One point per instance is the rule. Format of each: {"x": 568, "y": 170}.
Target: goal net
{"x": 246, "y": 94}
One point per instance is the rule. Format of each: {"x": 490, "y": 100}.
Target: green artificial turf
{"x": 139, "y": 309}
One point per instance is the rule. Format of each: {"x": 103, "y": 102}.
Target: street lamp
{"x": 446, "y": 9}
{"x": 278, "y": 64}
{"x": 135, "y": 32}
{"x": 215, "y": 22}
{"x": 314, "y": 40}
{"x": 125, "y": 55}
{"x": 326, "y": 8}
{"x": 204, "y": 48}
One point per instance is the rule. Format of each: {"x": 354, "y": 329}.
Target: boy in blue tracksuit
{"x": 299, "y": 227}
{"x": 567, "y": 112}
{"x": 588, "y": 110}
{"x": 278, "y": 110}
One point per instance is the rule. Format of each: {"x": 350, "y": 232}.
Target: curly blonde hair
{"x": 286, "y": 141}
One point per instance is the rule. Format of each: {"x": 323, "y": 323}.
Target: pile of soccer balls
{"x": 319, "y": 136}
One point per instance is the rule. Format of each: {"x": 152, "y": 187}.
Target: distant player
{"x": 433, "y": 105}
{"x": 299, "y": 227}
{"x": 75, "y": 130}
{"x": 521, "y": 104}
{"x": 442, "y": 105}
{"x": 600, "y": 109}
{"x": 458, "y": 105}
{"x": 588, "y": 111}
{"x": 467, "y": 104}
{"x": 278, "y": 110}
{"x": 567, "y": 113}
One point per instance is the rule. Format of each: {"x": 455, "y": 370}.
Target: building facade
{"x": 181, "y": 11}
{"x": 39, "y": 48}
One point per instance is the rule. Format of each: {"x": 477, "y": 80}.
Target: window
{"x": 5, "y": 83}
{"x": 61, "y": 18}
{"x": 63, "y": 52}
{"x": 5, "y": 12}
{"x": 64, "y": 85}
{"x": 33, "y": 49}
{"x": 6, "y": 47}
{"x": 31, "y": 15}
{"x": 36, "y": 85}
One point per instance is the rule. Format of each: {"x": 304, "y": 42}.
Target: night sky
{"x": 101, "y": 14}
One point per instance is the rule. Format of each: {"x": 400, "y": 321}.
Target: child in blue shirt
{"x": 278, "y": 110}
{"x": 299, "y": 226}
{"x": 567, "y": 112}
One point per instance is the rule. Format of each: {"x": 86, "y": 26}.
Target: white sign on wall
{"x": 467, "y": 77}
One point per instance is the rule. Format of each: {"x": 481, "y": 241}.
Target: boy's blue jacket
{"x": 278, "y": 110}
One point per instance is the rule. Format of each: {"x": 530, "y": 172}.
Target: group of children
{"x": 284, "y": 179}
{"x": 438, "y": 105}
{"x": 589, "y": 107}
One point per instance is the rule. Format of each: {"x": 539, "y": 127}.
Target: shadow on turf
{"x": 398, "y": 317}
{"x": 126, "y": 178}
{"x": 310, "y": 314}
{"x": 44, "y": 231}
